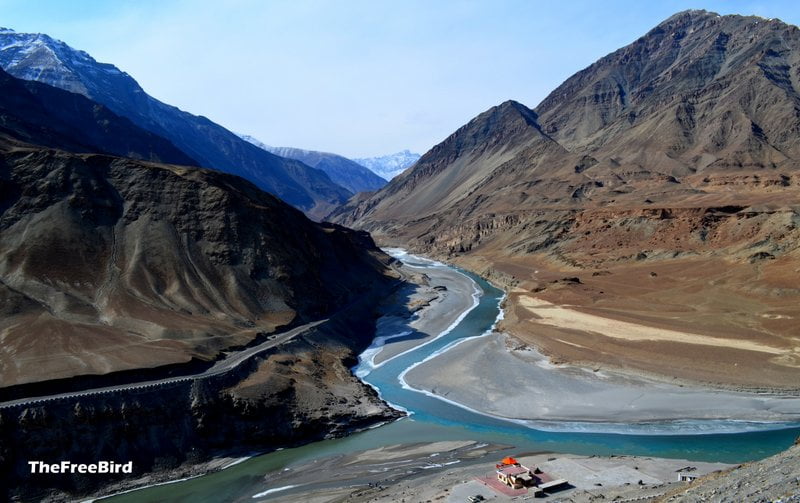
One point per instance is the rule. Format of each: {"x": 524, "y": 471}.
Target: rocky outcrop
{"x": 596, "y": 238}
{"x": 776, "y": 478}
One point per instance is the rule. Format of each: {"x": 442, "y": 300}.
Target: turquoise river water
{"x": 432, "y": 419}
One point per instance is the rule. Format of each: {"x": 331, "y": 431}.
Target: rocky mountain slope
{"x": 349, "y": 174}
{"x": 41, "y": 58}
{"x": 776, "y": 478}
{"x": 677, "y": 153}
{"x": 44, "y": 115}
{"x": 391, "y": 165}
{"x": 296, "y": 393}
{"x": 125, "y": 264}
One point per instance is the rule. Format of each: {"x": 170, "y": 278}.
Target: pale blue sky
{"x": 359, "y": 78}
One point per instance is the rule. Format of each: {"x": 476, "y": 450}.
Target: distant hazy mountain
{"x": 389, "y": 166}
{"x": 343, "y": 171}
{"x": 349, "y": 174}
{"x": 41, "y": 58}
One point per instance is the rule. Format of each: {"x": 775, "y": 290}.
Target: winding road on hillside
{"x": 233, "y": 360}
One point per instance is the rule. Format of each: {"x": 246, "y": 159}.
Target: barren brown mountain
{"x": 109, "y": 264}
{"x": 654, "y": 195}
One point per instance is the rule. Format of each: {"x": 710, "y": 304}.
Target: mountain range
{"x": 660, "y": 186}
{"x": 41, "y": 58}
{"x": 48, "y": 116}
{"x": 699, "y": 99}
{"x": 348, "y": 174}
{"x": 679, "y": 152}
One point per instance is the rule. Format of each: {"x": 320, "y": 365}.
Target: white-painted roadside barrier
{"x": 219, "y": 368}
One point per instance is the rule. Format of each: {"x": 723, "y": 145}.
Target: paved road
{"x": 233, "y": 360}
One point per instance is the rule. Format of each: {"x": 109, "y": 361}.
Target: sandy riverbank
{"x": 708, "y": 319}
{"x": 491, "y": 375}
{"x": 440, "y": 298}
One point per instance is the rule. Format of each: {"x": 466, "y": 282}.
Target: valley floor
{"x": 496, "y": 374}
{"x": 501, "y": 376}
{"x": 722, "y": 323}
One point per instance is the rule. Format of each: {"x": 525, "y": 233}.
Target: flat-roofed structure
{"x": 515, "y": 476}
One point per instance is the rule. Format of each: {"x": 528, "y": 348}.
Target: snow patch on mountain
{"x": 389, "y": 166}
{"x": 343, "y": 171}
{"x": 255, "y": 141}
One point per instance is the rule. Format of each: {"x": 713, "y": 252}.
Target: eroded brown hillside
{"x": 109, "y": 264}
{"x": 663, "y": 182}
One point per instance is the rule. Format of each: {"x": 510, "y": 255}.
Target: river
{"x": 433, "y": 419}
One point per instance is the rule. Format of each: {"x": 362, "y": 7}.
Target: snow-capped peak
{"x": 39, "y": 57}
{"x": 389, "y": 166}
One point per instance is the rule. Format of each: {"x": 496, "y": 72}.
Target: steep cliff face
{"x": 108, "y": 264}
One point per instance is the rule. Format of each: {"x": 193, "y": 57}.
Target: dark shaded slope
{"x": 38, "y": 113}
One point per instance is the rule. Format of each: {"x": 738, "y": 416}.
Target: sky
{"x": 358, "y": 78}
